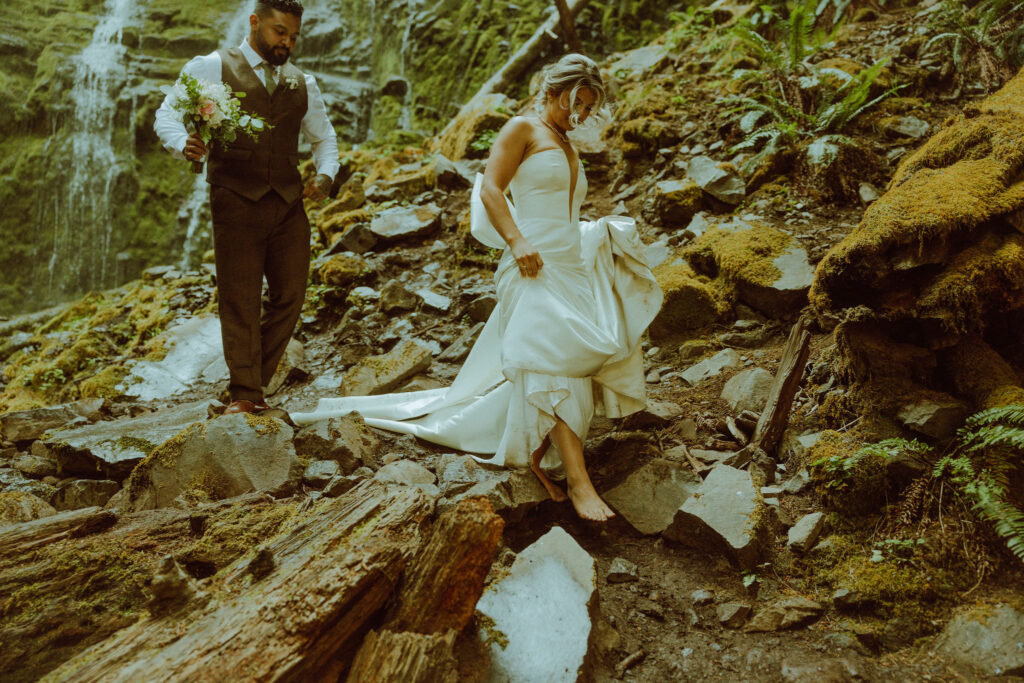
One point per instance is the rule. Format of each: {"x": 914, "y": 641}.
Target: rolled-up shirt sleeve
{"x": 317, "y": 129}
{"x": 168, "y": 125}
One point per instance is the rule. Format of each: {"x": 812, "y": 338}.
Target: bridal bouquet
{"x": 212, "y": 110}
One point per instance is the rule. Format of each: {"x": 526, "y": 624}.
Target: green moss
{"x": 14, "y": 503}
{"x": 492, "y": 633}
{"x": 263, "y": 425}
{"x": 747, "y": 255}
{"x": 234, "y": 531}
{"x": 690, "y": 302}
{"x": 166, "y": 455}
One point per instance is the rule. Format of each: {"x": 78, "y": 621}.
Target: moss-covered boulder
{"x": 20, "y": 506}
{"x": 938, "y": 262}
{"x": 226, "y": 457}
{"x": 675, "y": 202}
{"x": 334, "y": 224}
{"x": 690, "y": 304}
{"x": 342, "y": 270}
{"x": 766, "y": 267}
{"x": 646, "y": 135}
{"x": 470, "y": 133}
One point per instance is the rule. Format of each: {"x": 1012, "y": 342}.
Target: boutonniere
{"x": 292, "y": 82}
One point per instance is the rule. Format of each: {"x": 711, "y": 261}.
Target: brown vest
{"x": 270, "y": 162}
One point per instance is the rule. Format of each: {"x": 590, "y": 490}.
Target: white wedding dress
{"x": 565, "y": 343}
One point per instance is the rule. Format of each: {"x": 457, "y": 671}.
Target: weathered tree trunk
{"x": 18, "y": 539}
{"x": 775, "y": 416}
{"x": 565, "y": 17}
{"x": 322, "y": 583}
{"x": 387, "y": 656}
{"x": 436, "y": 601}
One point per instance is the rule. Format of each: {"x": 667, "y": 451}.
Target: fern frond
{"x": 996, "y": 435}
{"x": 1012, "y": 414}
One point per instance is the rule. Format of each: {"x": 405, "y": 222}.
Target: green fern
{"x": 840, "y": 468}
{"x": 986, "y": 38}
{"x": 988, "y": 452}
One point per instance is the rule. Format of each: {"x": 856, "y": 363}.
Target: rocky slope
{"x": 806, "y": 563}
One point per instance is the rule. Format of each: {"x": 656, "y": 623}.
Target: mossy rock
{"x": 334, "y": 225}
{"x": 19, "y": 506}
{"x": 646, "y": 134}
{"x": 690, "y": 303}
{"x": 342, "y": 270}
{"x": 489, "y": 113}
{"x": 937, "y": 214}
{"x": 676, "y": 202}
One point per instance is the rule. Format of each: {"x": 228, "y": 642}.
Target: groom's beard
{"x": 276, "y": 55}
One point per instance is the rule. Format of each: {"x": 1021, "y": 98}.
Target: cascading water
{"x": 102, "y": 149}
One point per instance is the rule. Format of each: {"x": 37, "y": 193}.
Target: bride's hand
{"x": 526, "y": 257}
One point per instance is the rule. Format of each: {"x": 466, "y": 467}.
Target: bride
{"x": 573, "y": 301}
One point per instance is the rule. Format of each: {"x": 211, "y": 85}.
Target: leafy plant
{"x": 988, "y": 36}
{"x": 896, "y": 550}
{"x": 800, "y": 99}
{"x": 483, "y": 141}
{"x": 988, "y": 451}
{"x": 840, "y": 468}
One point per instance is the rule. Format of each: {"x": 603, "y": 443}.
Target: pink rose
{"x": 207, "y": 108}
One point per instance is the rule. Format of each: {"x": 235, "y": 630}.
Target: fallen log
{"x": 565, "y": 17}
{"x": 330, "y": 575}
{"x": 436, "y": 601}
{"x": 775, "y": 415}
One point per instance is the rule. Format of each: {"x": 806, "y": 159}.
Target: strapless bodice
{"x": 540, "y": 192}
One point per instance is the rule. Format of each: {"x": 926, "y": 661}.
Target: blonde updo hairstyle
{"x": 570, "y": 74}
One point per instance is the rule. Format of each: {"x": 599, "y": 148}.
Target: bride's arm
{"x": 507, "y": 153}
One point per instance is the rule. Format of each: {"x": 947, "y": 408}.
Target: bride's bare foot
{"x": 553, "y": 489}
{"x": 588, "y": 504}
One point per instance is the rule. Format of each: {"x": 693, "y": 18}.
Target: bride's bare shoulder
{"x": 520, "y": 125}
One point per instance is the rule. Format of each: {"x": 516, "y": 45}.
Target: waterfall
{"x": 405, "y": 117}
{"x": 102, "y": 149}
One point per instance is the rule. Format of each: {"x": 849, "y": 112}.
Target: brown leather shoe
{"x": 261, "y": 405}
{"x": 241, "y": 406}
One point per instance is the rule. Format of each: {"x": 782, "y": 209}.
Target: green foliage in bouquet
{"x": 212, "y": 110}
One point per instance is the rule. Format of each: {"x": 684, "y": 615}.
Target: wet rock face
{"x": 989, "y": 638}
{"x": 549, "y": 597}
{"x": 229, "y": 456}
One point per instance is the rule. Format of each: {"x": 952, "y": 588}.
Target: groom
{"x": 260, "y": 227}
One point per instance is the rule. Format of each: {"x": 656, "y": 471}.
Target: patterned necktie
{"x": 271, "y": 77}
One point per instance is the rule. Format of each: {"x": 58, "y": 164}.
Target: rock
{"x": 798, "y": 482}
{"x": 689, "y": 303}
{"x": 402, "y": 222}
{"x": 395, "y": 297}
{"x": 748, "y": 390}
{"x": 292, "y": 368}
{"x": 26, "y": 425}
{"x": 693, "y": 349}
{"x": 786, "y": 293}
{"x": 320, "y": 472}
{"x": 804, "y": 534}
{"x": 637, "y": 63}
{"x": 656, "y": 415}
{"x": 846, "y": 600}
{"x": 990, "y": 638}
{"x": 511, "y": 492}
{"x": 785, "y": 613}
{"x": 905, "y": 126}
{"x": 381, "y": 374}
{"x": 650, "y": 497}
{"x": 408, "y": 473}
{"x": 702, "y": 597}
{"x": 480, "y": 308}
{"x": 34, "y": 466}
{"x": 798, "y": 446}
{"x": 724, "y": 515}
{"x": 226, "y": 457}
{"x": 460, "y": 348}
{"x": 447, "y": 173}
{"x": 341, "y": 270}
{"x": 733, "y": 614}
{"x": 676, "y": 202}
{"x": 75, "y": 494}
{"x": 936, "y": 419}
{"x": 711, "y": 457}
{"x": 868, "y": 193}
{"x": 621, "y": 571}
{"x": 824, "y": 671}
{"x": 725, "y": 359}
{"x": 438, "y": 302}
{"x": 346, "y": 440}
{"x": 18, "y": 506}
{"x": 11, "y": 480}
{"x": 358, "y": 239}
{"x": 113, "y": 448}
{"x": 725, "y": 186}
{"x": 549, "y": 597}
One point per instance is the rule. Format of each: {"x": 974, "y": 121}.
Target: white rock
{"x": 710, "y": 367}
{"x": 538, "y": 618}
{"x": 748, "y": 390}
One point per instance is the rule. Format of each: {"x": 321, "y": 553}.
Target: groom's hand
{"x": 195, "y": 149}
{"x": 317, "y": 187}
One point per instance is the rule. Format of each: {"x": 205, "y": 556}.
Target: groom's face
{"x": 274, "y": 35}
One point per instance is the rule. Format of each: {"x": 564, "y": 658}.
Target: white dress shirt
{"x": 316, "y": 127}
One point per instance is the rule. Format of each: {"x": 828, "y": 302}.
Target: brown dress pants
{"x": 252, "y": 240}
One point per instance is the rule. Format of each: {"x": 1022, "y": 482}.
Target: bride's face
{"x": 559, "y": 110}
